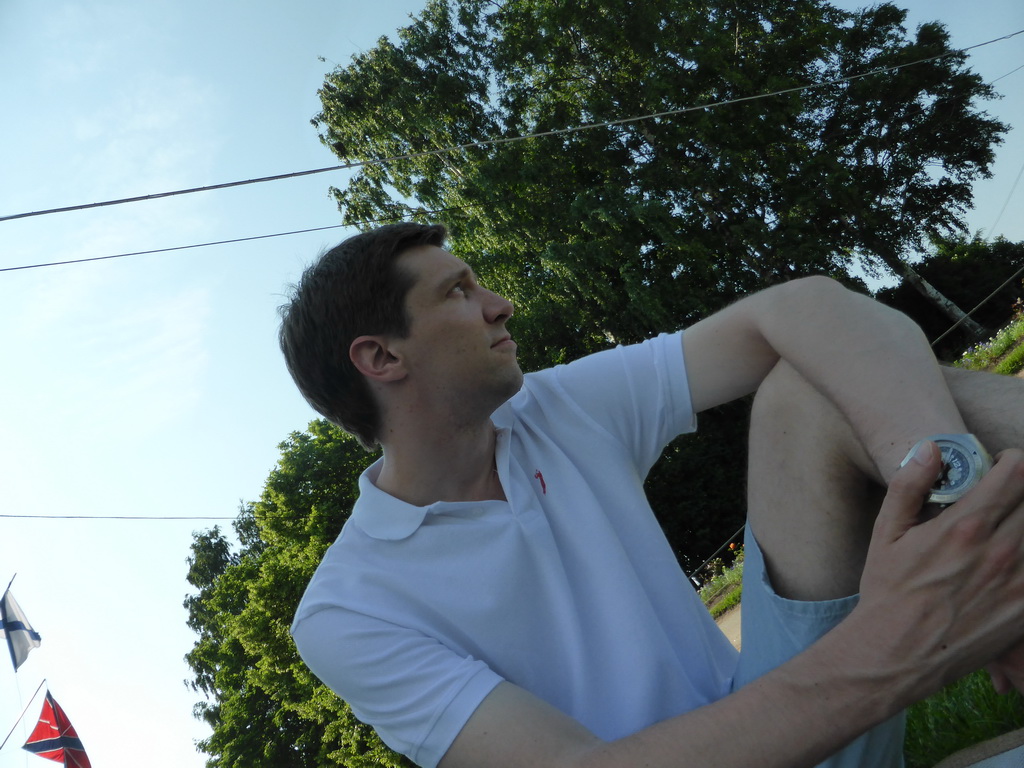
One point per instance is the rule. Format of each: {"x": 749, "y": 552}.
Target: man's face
{"x": 458, "y": 349}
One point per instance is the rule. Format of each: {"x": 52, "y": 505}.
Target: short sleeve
{"x": 639, "y": 394}
{"x": 417, "y": 693}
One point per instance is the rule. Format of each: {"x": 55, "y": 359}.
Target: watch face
{"x": 956, "y": 469}
{"x": 964, "y": 461}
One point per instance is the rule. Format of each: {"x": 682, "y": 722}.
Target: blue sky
{"x": 152, "y": 385}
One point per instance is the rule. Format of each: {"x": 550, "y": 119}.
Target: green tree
{"x": 614, "y": 233}
{"x": 617, "y": 232}
{"x": 262, "y": 703}
{"x": 609, "y": 233}
{"x": 974, "y": 273}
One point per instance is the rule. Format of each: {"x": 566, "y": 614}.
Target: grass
{"x": 725, "y": 590}
{"x": 964, "y": 713}
{"x": 1003, "y": 353}
{"x": 730, "y": 600}
{"x": 1013, "y": 362}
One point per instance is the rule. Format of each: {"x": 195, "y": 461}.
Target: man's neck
{"x": 457, "y": 465}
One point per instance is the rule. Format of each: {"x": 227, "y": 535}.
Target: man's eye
{"x": 458, "y": 288}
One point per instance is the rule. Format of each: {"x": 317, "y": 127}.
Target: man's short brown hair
{"x": 352, "y": 290}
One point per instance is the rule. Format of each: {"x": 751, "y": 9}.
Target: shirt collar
{"x": 380, "y": 515}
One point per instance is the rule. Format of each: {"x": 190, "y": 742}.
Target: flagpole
{"x": 9, "y": 583}
{"x": 23, "y": 711}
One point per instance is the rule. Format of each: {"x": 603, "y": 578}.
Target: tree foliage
{"x": 263, "y": 704}
{"x": 974, "y": 273}
{"x": 617, "y": 232}
{"x": 609, "y": 233}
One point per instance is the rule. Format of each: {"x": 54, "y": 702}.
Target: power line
{"x": 108, "y": 517}
{"x": 984, "y": 301}
{"x": 1016, "y": 274}
{"x": 1017, "y": 69}
{"x": 167, "y": 250}
{"x": 431, "y": 152}
{"x": 1009, "y": 196}
{"x": 1016, "y": 181}
{"x": 235, "y": 240}
{"x": 728, "y": 541}
{"x": 506, "y": 139}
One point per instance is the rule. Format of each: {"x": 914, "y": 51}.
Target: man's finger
{"x": 998, "y": 499}
{"x": 908, "y": 490}
{"x": 1000, "y": 682}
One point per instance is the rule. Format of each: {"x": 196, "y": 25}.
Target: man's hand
{"x": 1007, "y": 672}
{"x": 947, "y": 595}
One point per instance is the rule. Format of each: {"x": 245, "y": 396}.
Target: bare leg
{"x": 813, "y": 492}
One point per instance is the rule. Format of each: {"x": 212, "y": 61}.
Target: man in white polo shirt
{"x": 502, "y": 595}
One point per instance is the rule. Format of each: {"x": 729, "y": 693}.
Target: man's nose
{"x": 498, "y": 308}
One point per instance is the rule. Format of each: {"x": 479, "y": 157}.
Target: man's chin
{"x": 515, "y": 383}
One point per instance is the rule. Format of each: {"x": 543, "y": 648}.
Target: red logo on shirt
{"x": 543, "y": 485}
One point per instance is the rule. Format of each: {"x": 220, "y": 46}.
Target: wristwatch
{"x": 964, "y": 462}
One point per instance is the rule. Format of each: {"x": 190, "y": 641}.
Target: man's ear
{"x": 372, "y": 357}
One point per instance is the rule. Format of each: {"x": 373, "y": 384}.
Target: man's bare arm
{"x": 872, "y": 362}
{"x": 939, "y": 600}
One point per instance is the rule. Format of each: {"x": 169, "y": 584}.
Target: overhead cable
{"x": 166, "y": 250}
{"x": 1009, "y": 196}
{"x": 1012, "y": 71}
{"x": 984, "y": 301}
{"x": 505, "y": 139}
{"x": 232, "y": 240}
{"x": 108, "y": 517}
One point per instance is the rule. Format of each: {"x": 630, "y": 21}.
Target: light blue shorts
{"x": 775, "y": 630}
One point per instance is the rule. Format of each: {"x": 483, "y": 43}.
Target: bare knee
{"x": 783, "y": 401}
{"x": 810, "y": 502}
{"x": 796, "y": 423}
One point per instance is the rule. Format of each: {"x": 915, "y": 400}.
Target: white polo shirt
{"x": 569, "y": 589}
